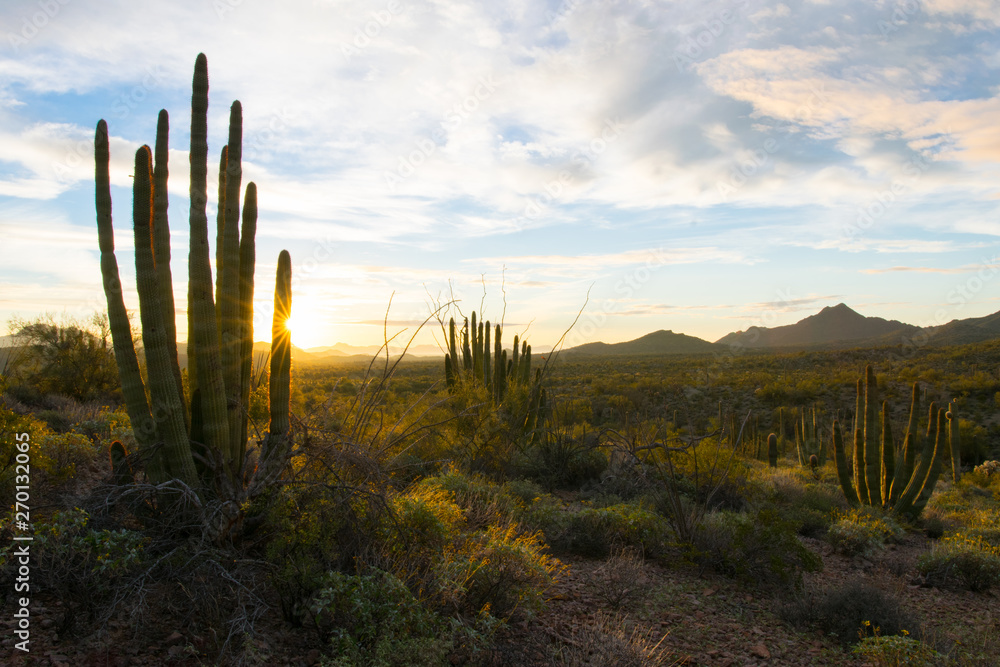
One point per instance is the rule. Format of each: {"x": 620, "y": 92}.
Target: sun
{"x": 306, "y": 328}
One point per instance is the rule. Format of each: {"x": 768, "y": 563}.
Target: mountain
{"x": 834, "y": 326}
{"x": 344, "y": 349}
{"x": 962, "y": 332}
{"x": 658, "y": 342}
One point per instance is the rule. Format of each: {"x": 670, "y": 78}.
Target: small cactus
{"x": 772, "y": 450}
{"x": 121, "y": 471}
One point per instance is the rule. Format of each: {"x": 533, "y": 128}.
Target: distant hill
{"x": 834, "y": 326}
{"x": 658, "y": 342}
{"x": 962, "y": 332}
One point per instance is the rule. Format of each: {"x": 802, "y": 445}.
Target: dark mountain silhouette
{"x": 834, "y": 326}
{"x": 831, "y": 328}
{"x": 962, "y": 332}
{"x": 658, "y": 342}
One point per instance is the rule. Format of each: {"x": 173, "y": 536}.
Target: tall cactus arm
{"x": 453, "y": 349}
{"x": 954, "y": 444}
{"x": 772, "y": 450}
{"x": 220, "y": 228}
{"x": 888, "y": 457}
{"x": 843, "y": 470}
{"x": 911, "y": 445}
{"x": 202, "y": 306}
{"x": 924, "y": 478}
{"x": 248, "y": 253}
{"x": 168, "y": 408}
{"x": 228, "y": 292}
{"x": 859, "y": 466}
{"x": 487, "y": 367}
{"x": 466, "y": 349}
{"x": 133, "y": 389}
{"x": 281, "y": 348}
{"x": 873, "y": 461}
{"x": 161, "y": 246}
{"x": 937, "y": 465}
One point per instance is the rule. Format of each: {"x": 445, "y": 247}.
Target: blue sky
{"x": 696, "y": 166}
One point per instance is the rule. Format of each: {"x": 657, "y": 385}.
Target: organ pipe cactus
{"x": 468, "y": 361}
{"x": 200, "y": 439}
{"x": 772, "y": 450}
{"x": 880, "y": 478}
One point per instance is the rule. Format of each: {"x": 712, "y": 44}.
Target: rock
{"x": 312, "y": 657}
{"x": 761, "y": 651}
{"x": 174, "y": 639}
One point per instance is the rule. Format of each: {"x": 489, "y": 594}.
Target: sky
{"x": 701, "y": 167}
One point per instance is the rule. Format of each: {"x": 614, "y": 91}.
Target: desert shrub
{"x": 558, "y": 461}
{"x": 843, "y": 610}
{"x": 315, "y": 529}
{"x": 962, "y": 561}
{"x": 621, "y": 580}
{"x": 862, "y": 531}
{"x": 82, "y": 567}
{"x": 759, "y": 548}
{"x": 482, "y": 502}
{"x": 496, "y": 572}
{"x": 894, "y": 650}
{"x": 373, "y": 620}
{"x": 594, "y": 532}
{"x": 612, "y": 640}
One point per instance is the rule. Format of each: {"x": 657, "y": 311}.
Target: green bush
{"x": 594, "y": 532}
{"x": 964, "y": 561}
{"x": 373, "y": 620}
{"x": 895, "y": 650}
{"x": 847, "y": 608}
{"x": 759, "y": 548}
{"x": 862, "y": 531}
{"x": 81, "y": 566}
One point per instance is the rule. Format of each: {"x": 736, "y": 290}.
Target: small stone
{"x": 761, "y": 651}
{"x": 174, "y": 639}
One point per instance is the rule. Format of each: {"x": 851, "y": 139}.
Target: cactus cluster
{"x": 809, "y": 441}
{"x": 469, "y": 360}
{"x": 880, "y": 476}
{"x": 199, "y": 439}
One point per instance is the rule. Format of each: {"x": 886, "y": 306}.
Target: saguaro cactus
{"x": 880, "y": 478}
{"x": 205, "y": 452}
{"x": 772, "y": 450}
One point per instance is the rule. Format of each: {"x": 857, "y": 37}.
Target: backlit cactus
{"x": 880, "y": 478}
{"x": 772, "y": 450}
{"x": 495, "y": 372}
{"x": 199, "y": 439}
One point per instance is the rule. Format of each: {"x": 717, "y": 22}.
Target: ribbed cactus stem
{"x": 772, "y": 450}
{"x": 843, "y": 469}
{"x": 487, "y": 367}
{"x": 161, "y": 246}
{"x": 133, "y": 388}
{"x": 873, "y": 461}
{"x": 201, "y": 308}
{"x": 911, "y": 446}
{"x": 228, "y": 304}
{"x": 281, "y": 348}
{"x": 168, "y": 408}
{"x": 888, "y": 457}
{"x": 248, "y": 262}
{"x": 954, "y": 443}
{"x": 924, "y": 477}
{"x": 453, "y": 348}
{"x": 220, "y": 236}
{"x": 859, "y": 466}
{"x": 937, "y": 465}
